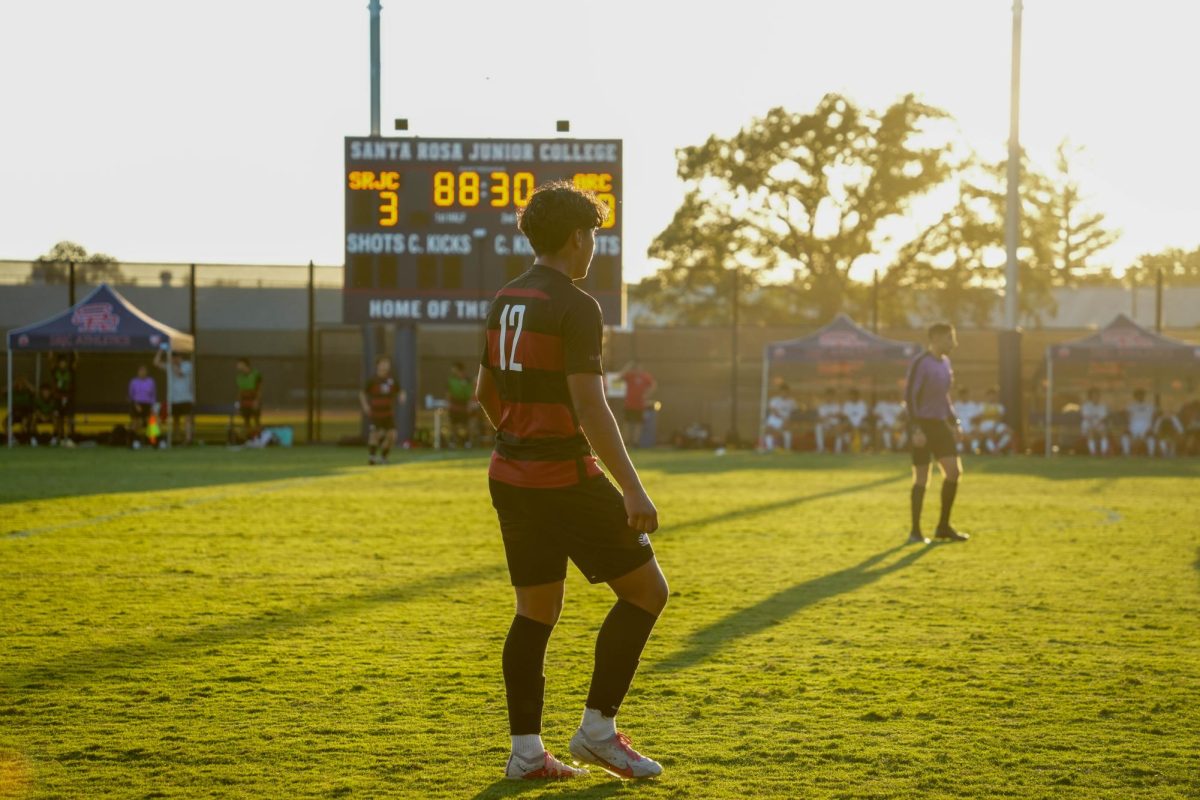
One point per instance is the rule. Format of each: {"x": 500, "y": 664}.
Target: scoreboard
{"x": 431, "y": 224}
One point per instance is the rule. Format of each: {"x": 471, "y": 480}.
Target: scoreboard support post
{"x": 404, "y": 345}
{"x": 368, "y": 354}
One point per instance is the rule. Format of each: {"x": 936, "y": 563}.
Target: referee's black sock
{"x": 619, "y": 647}
{"x": 949, "y": 490}
{"x": 371, "y": 450}
{"x": 918, "y": 498}
{"x": 524, "y": 683}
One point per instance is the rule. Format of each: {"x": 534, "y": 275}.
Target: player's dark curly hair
{"x": 940, "y": 329}
{"x": 557, "y": 210}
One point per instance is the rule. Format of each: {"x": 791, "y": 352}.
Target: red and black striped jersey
{"x": 381, "y": 396}
{"x": 540, "y": 329}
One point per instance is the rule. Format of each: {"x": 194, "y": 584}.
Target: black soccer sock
{"x": 371, "y": 450}
{"x": 619, "y": 646}
{"x": 949, "y": 490}
{"x": 918, "y": 499}
{"x": 524, "y": 683}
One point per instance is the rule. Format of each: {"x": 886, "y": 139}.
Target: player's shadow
{"x": 568, "y": 788}
{"x": 777, "y": 505}
{"x": 1075, "y": 468}
{"x": 778, "y": 607}
{"x": 103, "y": 471}
{"x": 671, "y": 462}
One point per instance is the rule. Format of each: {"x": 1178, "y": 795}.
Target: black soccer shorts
{"x": 939, "y": 442}
{"x": 383, "y": 424}
{"x": 585, "y": 523}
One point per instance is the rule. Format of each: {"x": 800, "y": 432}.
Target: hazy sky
{"x": 212, "y": 131}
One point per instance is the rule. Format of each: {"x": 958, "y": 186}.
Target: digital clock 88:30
{"x": 466, "y": 189}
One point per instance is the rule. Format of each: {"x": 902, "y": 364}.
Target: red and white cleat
{"x": 614, "y": 755}
{"x": 545, "y": 768}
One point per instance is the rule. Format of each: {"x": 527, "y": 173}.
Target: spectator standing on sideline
{"x": 249, "y": 402}
{"x": 1093, "y": 423}
{"x": 639, "y": 386}
{"x": 23, "y": 401}
{"x": 45, "y": 409}
{"x": 459, "y": 392}
{"x": 182, "y": 393}
{"x": 63, "y": 376}
{"x": 143, "y": 393}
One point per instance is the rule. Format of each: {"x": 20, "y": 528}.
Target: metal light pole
{"x": 732, "y": 438}
{"x": 1012, "y": 217}
{"x": 1009, "y": 339}
{"x": 375, "y": 7}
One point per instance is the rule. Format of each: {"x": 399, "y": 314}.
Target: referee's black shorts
{"x": 586, "y": 523}
{"x": 939, "y": 442}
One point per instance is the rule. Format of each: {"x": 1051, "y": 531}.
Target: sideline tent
{"x": 102, "y": 322}
{"x": 1120, "y": 352}
{"x": 841, "y": 351}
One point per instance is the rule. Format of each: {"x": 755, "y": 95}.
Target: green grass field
{"x": 288, "y": 624}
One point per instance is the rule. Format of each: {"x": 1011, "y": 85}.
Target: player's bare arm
{"x": 600, "y": 428}
{"x": 488, "y": 396}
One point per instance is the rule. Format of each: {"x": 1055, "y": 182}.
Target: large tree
{"x": 802, "y": 194}
{"x": 54, "y": 266}
{"x": 1179, "y": 268}
{"x": 955, "y": 269}
{"x": 945, "y": 271}
{"x": 1079, "y": 232}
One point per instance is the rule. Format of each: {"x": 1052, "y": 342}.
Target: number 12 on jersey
{"x": 514, "y": 317}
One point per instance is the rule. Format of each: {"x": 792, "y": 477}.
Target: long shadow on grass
{"x": 570, "y": 788}
{"x": 1076, "y": 468}
{"x": 749, "y": 511}
{"x": 48, "y": 474}
{"x": 672, "y": 462}
{"x": 86, "y": 663}
{"x": 778, "y": 607}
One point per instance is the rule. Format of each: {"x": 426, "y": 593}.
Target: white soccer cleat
{"x": 614, "y": 755}
{"x": 547, "y": 767}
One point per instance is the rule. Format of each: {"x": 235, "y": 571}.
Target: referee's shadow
{"x": 770, "y": 611}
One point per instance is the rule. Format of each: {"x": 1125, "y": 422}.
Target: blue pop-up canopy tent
{"x": 844, "y": 351}
{"x": 102, "y": 322}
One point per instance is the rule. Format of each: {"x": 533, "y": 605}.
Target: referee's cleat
{"x": 948, "y": 534}
{"x": 916, "y": 537}
{"x": 614, "y": 755}
{"x": 547, "y": 767}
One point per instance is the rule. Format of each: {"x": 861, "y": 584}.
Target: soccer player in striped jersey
{"x": 541, "y": 384}
{"x": 378, "y": 399}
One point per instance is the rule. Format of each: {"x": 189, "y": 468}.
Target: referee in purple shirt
{"x": 934, "y": 429}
